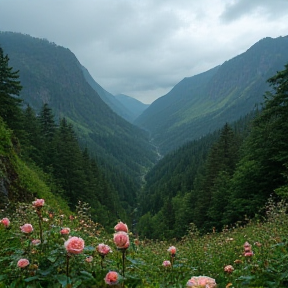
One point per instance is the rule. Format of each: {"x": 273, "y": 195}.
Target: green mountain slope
{"x": 134, "y": 106}
{"x": 109, "y": 99}
{"x": 52, "y": 74}
{"x": 203, "y": 103}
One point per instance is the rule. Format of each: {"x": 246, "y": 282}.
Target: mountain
{"x": 123, "y": 105}
{"x": 109, "y": 99}
{"x": 203, "y": 103}
{"x": 52, "y": 74}
{"x": 133, "y": 105}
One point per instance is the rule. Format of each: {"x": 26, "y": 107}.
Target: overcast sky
{"x": 142, "y": 48}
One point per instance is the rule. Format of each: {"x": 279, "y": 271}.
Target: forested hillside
{"x": 223, "y": 178}
{"x": 36, "y": 153}
{"x": 51, "y": 74}
{"x": 203, "y": 103}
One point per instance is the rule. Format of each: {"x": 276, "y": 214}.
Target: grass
{"x": 196, "y": 254}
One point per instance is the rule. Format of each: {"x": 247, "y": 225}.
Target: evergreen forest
{"x": 233, "y": 181}
{"x": 213, "y": 182}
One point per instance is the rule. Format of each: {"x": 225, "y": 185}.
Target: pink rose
{"x": 248, "y": 254}
{"x": 172, "y": 250}
{"x": 5, "y": 222}
{"x": 65, "y": 231}
{"x": 247, "y": 247}
{"x": 121, "y": 240}
{"x": 201, "y": 281}
{"x": 89, "y": 259}
{"x": 26, "y": 228}
{"x": 229, "y": 268}
{"x": 121, "y": 227}
{"x": 22, "y": 263}
{"x": 38, "y": 203}
{"x": 111, "y": 278}
{"x": 103, "y": 249}
{"x": 166, "y": 263}
{"x": 74, "y": 245}
{"x": 36, "y": 242}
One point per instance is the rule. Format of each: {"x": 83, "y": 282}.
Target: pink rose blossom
{"x": 166, "y": 263}
{"x": 247, "y": 246}
{"x": 111, "y": 278}
{"x": 172, "y": 250}
{"x": 103, "y": 249}
{"x": 65, "y": 231}
{"x": 5, "y": 222}
{"x": 26, "y": 228}
{"x": 36, "y": 242}
{"x": 121, "y": 240}
{"x": 74, "y": 245}
{"x": 22, "y": 263}
{"x": 201, "y": 281}
{"x": 38, "y": 203}
{"x": 121, "y": 227}
{"x": 248, "y": 254}
{"x": 229, "y": 268}
{"x": 89, "y": 259}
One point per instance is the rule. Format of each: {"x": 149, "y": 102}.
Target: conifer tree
{"x": 10, "y": 88}
{"x": 263, "y": 166}
{"x": 220, "y": 164}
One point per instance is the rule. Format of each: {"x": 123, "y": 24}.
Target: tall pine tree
{"x": 10, "y": 88}
{"x": 263, "y": 167}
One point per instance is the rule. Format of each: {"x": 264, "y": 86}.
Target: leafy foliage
{"x": 50, "y": 265}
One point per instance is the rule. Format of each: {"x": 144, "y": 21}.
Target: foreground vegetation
{"x": 222, "y": 256}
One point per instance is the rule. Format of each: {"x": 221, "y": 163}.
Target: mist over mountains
{"x": 196, "y": 106}
{"x": 203, "y": 103}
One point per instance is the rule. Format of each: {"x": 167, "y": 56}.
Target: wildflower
{"x": 247, "y": 249}
{"x": 247, "y": 246}
{"x": 121, "y": 240}
{"x": 111, "y": 278}
{"x": 38, "y": 203}
{"x": 103, "y": 249}
{"x": 89, "y": 259}
{"x": 229, "y": 268}
{"x": 121, "y": 227}
{"x": 65, "y": 231}
{"x": 166, "y": 263}
{"x": 5, "y": 222}
{"x": 26, "y": 228}
{"x": 136, "y": 242}
{"x": 201, "y": 281}
{"x": 172, "y": 250}
{"x": 22, "y": 263}
{"x": 238, "y": 261}
{"x": 74, "y": 245}
{"x": 258, "y": 244}
{"x": 36, "y": 242}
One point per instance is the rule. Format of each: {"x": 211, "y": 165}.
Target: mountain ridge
{"x": 52, "y": 74}
{"x": 231, "y": 92}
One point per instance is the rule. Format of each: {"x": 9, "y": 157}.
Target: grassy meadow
{"x": 141, "y": 264}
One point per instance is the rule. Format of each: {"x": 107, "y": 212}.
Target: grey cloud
{"x": 145, "y": 47}
{"x": 264, "y": 8}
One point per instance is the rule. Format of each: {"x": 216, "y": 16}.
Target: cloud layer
{"x": 143, "y": 48}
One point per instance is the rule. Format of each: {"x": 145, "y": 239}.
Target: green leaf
{"x": 62, "y": 279}
{"x": 31, "y": 278}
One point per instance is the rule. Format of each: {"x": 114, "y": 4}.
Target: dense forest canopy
{"x": 222, "y": 178}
